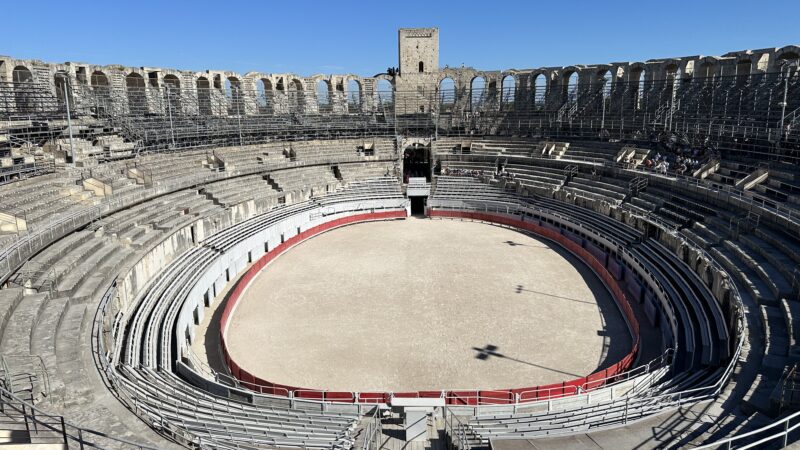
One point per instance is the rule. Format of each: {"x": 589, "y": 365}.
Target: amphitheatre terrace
{"x": 590, "y": 256}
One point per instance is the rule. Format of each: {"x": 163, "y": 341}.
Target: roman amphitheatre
{"x": 599, "y": 255}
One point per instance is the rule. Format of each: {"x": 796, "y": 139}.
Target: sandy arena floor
{"x": 425, "y": 304}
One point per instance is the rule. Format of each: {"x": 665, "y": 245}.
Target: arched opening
{"x": 539, "y": 89}
{"x": 671, "y": 72}
{"x": 21, "y": 74}
{"x": 671, "y": 79}
{"x": 233, "y": 91}
{"x": 637, "y": 84}
{"x": 99, "y": 81}
{"x": 706, "y": 71}
{"x": 137, "y": 99}
{"x": 63, "y": 89}
{"x": 204, "y": 96}
{"x": 23, "y": 89}
{"x": 296, "y": 96}
{"x": 605, "y": 79}
{"x": 508, "y": 91}
{"x": 571, "y": 86}
{"x": 324, "y": 95}
{"x": 417, "y": 162}
{"x": 385, "y": 92}
{"x": 102, "y": 91}
{"x": 172, "y": 94}
{"x": 788, "y": 63}
{"x": 477, "y": 90}
{"x": 743, "y": 69}
{"x": 353, "y": 95}
{"x": 447, "y": 91}
{"x": 421, "y": 67}
{"x": 264, "y": 88}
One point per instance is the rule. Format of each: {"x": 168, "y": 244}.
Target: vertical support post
{"x": 238, "y": 116}
{"x": 169, "y": 109}
{"x": 69, "y": 117}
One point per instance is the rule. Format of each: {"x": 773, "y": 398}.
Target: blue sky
{"x": 361, "y": 37}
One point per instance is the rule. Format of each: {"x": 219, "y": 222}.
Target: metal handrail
{"x": 34, "y": 417}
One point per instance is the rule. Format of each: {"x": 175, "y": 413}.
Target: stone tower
{"x": 419, "y": 51}
{"x": 419, "y": 67}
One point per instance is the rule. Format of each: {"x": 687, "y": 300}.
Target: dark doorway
{"x": 418, "y": 205}
{"x": 416, "y": 163}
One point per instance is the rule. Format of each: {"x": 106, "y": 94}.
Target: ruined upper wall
{"x": 744, "y": 62}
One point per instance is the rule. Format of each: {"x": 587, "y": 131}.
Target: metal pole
{"x": 169, "y": 108}
{"x": 603, "y": 120}
{"x": 239, "y": 118}
{"x": 785, "y": 92}
{"x": 69, "y": 118}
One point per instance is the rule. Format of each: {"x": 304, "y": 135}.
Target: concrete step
{"x": 43, "y": 341}
{"x": 16, "y": 338}
{"x": 746, "y": 277}
{"x": 769, "y": 275}
{"x": 69, "y": 349}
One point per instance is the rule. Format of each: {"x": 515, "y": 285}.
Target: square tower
{"x": 419, "y": 50}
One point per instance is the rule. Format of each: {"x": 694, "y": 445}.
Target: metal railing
{"x": 45, "y": 427}
{"x": 373, "y": 432}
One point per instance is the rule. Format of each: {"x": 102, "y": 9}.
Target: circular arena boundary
{"x": 151, "y": 366}
{"x": 618, "y": 371}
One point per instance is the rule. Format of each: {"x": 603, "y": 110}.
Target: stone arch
{"x": 102, "y": 91}
{"x": 508, "y": 91}
{"x": 706, "y": 69}
{"x": 447, "y": 91}
{"x": 137, "y": 98}
{"x": 324, "y": 92}
{"x": 24, "y": 96}
{"x": 570, "y": 81}
{"x": 788, "y": 53}
{"x": 296, "y": 93}
{"x": 384, "y": 91}
{"x": 604, "y": 79}
{"x": 265, "y": 92}
{"x": 477, "y": 91}
{"x": 671, "y": 72}
{"x": 233, "y": 92}
{"x": 203, "y": 96}
{"x": 63, "y": 88}
{"x": 787, "y": 59}
{"x": 354, "y": 90}
{"x": 172, "y": 93}
{"x": 637, "y": 78}
{"x": 99, "y": 80}
{"x": 539, "y": 87}
{"x": 743, "y": 69}
{"x": 21, "y": 74}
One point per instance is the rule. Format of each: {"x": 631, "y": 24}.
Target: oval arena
{"x": 348, "y": 322}
{"x": 588, "y": 256}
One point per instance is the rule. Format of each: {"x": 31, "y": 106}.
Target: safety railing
{"x": 22, "y": 246}
{"x": 39, "y": 371}
{"x": 50, "y": 428}
{"x": 456, "y": 430}
{"x": 775, "y": 433}
{"x": 373, "y": 432}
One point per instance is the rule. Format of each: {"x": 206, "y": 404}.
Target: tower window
{"x": 421, "y": 67}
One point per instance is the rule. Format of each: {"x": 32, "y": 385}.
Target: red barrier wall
{"x": 472, "y": 397}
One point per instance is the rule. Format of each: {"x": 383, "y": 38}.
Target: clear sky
{"x": 311, "y": 36}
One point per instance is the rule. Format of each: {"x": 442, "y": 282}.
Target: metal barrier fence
{"x": 49, "y": 428}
